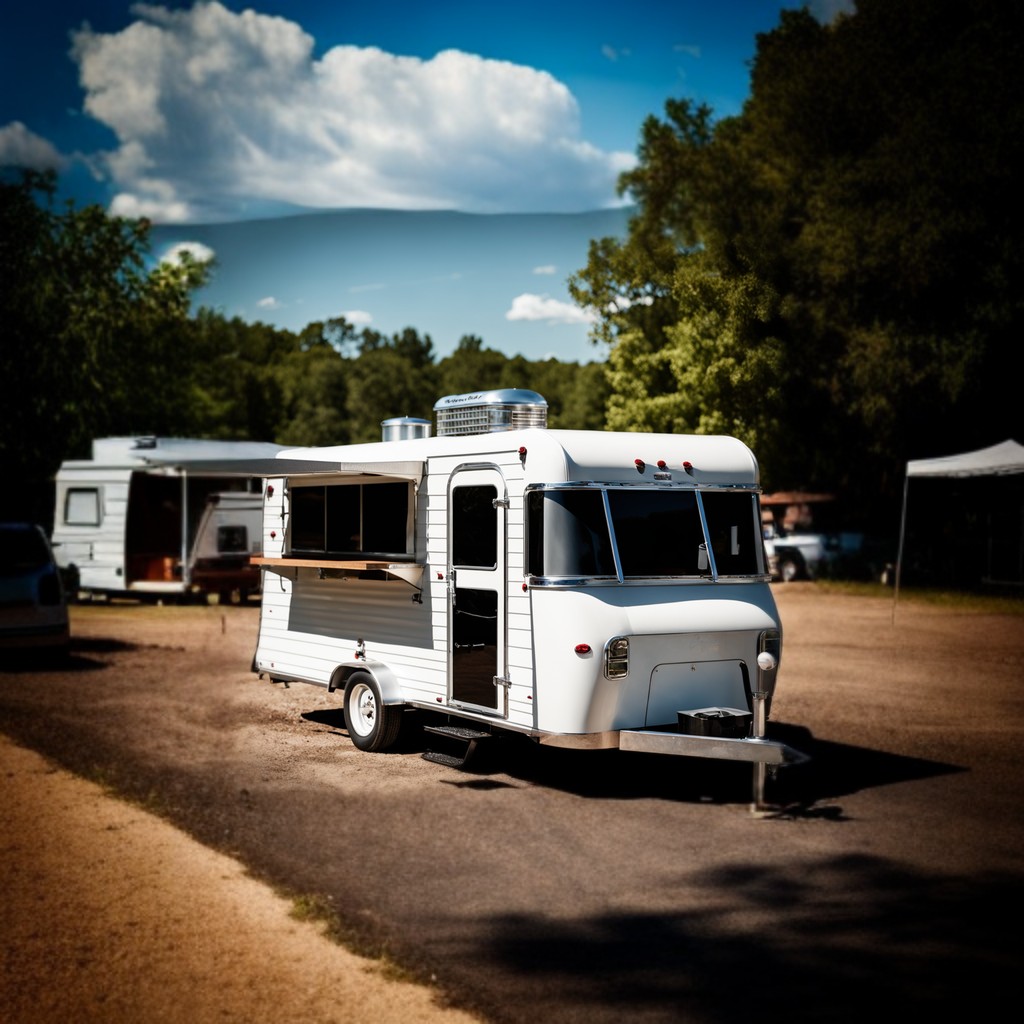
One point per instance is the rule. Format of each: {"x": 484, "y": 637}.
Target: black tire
{"x": 791, "y": 567}
{"x": 372, "y": 725}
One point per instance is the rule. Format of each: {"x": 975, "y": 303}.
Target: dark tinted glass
{"x": 568, "y": 534}
{"x": 658, "y": 533}
{"x": 735, "y": 538}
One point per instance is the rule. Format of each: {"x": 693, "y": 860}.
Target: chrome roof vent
{"x": 401, "y": 428}
{"x": 488, "y": 412}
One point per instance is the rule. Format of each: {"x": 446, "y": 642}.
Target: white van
{"x": 587, "y": 589}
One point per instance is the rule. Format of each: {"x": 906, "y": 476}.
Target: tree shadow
{"x": 839, "y": 940}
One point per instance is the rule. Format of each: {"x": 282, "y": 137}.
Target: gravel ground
{"x": 110, "y": 914}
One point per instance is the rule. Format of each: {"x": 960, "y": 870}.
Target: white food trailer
{"x": 158, "y": 517}
{"x": 587, "y": 589}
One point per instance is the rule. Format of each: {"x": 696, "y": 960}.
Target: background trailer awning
{"x": 997, "y": 460}
{"x": 272, "y": 467}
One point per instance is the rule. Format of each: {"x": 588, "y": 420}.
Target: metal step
{"x": 458, "y": 732}
{"x": 455, "y": 732}
{"x": 446, "y": 759}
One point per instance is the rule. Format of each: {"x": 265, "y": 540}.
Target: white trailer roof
{"x": 549, "y": 455}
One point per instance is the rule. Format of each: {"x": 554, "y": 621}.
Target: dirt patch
{"x": 112, "y": 915}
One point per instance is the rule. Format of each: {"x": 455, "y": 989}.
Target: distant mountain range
{"x": 445, "y": 274}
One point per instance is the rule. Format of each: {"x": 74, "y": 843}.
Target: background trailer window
{"x": 82, "y": 506}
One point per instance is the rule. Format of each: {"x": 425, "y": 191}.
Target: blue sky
{"x": 206, "y": 112}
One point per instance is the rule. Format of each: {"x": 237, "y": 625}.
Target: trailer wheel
{"x": 372, "y": 725}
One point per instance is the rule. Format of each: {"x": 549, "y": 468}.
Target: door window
{"x": 475, "y": 526}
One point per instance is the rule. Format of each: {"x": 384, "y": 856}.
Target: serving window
{"x": 349, "y": 520}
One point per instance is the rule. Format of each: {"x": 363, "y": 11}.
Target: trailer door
{"x": 477, "y": 503}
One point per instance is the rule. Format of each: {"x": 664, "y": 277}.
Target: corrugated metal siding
{"x": 379, "y": 611}
{"x": 309, "y": 625}
{"x": 519, "y": 624}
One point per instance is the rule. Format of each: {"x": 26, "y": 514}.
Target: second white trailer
{"x": 156, "y": 517}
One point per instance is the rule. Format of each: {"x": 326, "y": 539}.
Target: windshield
{"x": 646, "y": 532}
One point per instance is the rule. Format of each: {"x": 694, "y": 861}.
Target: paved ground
{"x": 892, "y": 877}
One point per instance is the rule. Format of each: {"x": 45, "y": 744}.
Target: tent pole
{"x": 899, "y": 549}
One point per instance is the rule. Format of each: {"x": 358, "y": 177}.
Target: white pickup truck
{"x": 805, "y": 556}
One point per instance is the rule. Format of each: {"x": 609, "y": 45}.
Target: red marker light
{"x": 270, "y": 490}
{"x": 662, "y": 463}
{"x": 582, "y": 648}
{"x": 640, "y": 465}
{"x": 273, "y": 534}
{"x": 688, "y": 466}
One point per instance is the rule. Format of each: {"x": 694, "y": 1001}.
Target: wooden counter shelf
{"x": 409, "y": 572}
{"x": 328, "y": 563}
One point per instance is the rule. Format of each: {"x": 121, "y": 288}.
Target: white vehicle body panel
{"x": 150, "y": 516}
{"x": 694, "y": 642}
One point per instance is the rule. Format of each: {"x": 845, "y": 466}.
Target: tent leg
{"x": 899, "y": 549}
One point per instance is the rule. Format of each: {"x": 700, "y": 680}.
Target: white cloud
{"x": 268, "y": 302}
{"x": 20, "y": 147}
{"x": 541, "y": 307}
{"x": 200, "y": 252}
{"x": 358, "y": 317}
{"x": 549, "y": 268}
{"x": 220, "y": 113}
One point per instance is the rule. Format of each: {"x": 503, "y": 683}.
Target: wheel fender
{"x": 387, "y": 682}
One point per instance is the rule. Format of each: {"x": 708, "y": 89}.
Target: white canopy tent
{"x": 997, "y": 460}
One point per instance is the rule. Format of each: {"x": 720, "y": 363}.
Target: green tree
{"x": 93, "y": 333}
{"x": 391, "y": 377}
{"x": 471, "y": 367}
{"x": 313, "y": 394}
{"x": 835, "y": 274}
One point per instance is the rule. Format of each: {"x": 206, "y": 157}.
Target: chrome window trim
{"x": 712, "y": 576}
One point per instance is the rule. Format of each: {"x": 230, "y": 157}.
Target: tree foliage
{"x": 89, "y": 328}
{"x": 834, "y": 275}
{"x": 99, "y": 341}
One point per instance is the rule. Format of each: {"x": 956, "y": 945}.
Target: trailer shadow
{"x": 85, "y": 654}
{"x": 832, "y": 769}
